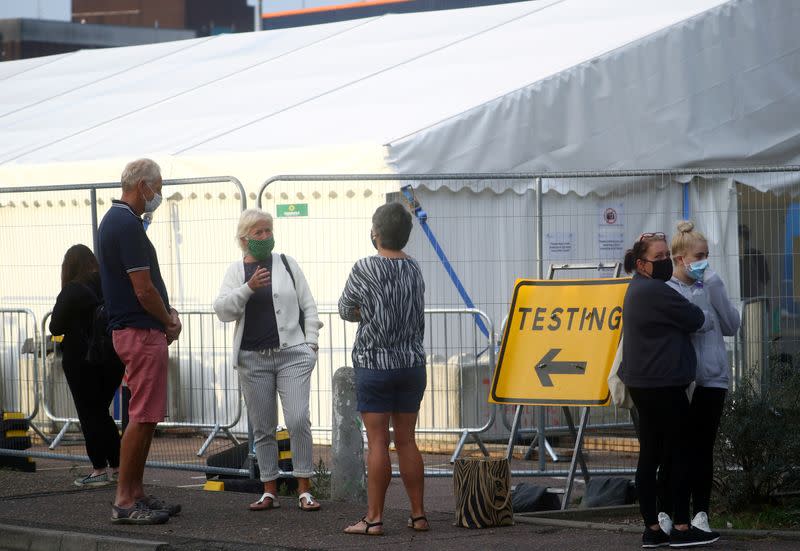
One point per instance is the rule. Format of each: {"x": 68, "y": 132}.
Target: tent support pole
{"x": 95, "y": 240}
{"x": 687, "y": 211}
{"x": 540, "y": 421}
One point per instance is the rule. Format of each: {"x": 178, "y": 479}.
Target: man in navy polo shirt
{"x": 143, "y": 324}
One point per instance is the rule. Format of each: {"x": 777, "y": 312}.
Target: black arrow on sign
{"x": 547, "y": 367}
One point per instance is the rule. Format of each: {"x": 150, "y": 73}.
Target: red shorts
{"x": 144, "y": 353}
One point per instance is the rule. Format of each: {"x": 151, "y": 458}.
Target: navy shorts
{"x": 390, "y": 390}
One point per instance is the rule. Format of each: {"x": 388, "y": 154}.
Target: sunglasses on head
{"x": 653, "y": 235}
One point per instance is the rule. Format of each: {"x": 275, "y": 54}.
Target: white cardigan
{"x": 235, "y": 292}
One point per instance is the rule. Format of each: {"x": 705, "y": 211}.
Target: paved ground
{"x": 46, "y": 500}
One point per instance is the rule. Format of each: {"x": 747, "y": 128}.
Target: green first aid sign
{"x": 294, "y": 209}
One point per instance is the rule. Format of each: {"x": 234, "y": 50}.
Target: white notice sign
{"x": 611, "y": 246}
{"x": 560, "y": 246}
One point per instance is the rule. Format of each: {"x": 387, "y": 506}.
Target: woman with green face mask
{"x": 274, "y": 350}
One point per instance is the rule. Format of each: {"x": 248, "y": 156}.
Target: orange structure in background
{"x": 318, "y": 9}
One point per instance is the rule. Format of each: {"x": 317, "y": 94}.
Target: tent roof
{"x": 540, "y": 85}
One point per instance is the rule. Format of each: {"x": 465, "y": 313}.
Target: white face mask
{"x": 150, "y": 205}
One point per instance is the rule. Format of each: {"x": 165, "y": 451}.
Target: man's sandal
{"x": 266, "y": 501}
{"x": 367, "y": 530}
{"x": 310, "y": 505}
{"x": 412, "y": 523}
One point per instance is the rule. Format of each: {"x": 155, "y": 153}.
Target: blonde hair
{"x": 248, "y": 219}
{"x": 685, "y": 238}
{"x": 140, "y": 169}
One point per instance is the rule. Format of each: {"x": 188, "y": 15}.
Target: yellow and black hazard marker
{"x": 14, "y": 431}
{"x": 14, "y": 436}
{"x": 284, "y": 451}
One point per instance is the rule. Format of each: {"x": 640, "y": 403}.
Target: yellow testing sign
{"x": 559, "y": 342}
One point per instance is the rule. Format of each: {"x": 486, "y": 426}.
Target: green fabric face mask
{"x": 260, "y": 248}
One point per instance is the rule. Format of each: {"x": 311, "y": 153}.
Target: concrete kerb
{"x": 545, "y": 518}
{"x": 20, "y": 538}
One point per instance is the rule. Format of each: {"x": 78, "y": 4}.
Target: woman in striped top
{"x": 385, "y": 295}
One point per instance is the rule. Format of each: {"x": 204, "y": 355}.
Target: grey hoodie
{"x": 713, "y": 369}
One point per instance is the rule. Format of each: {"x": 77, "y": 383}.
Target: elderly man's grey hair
{"x": 140, "y": 169}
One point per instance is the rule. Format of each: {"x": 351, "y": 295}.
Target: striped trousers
{"x": 263, "y": 376}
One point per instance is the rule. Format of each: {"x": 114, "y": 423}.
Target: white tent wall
{"x": 713, "y": 87}
{"x": 490, "y": 238}
{"x": 715, "y": 211}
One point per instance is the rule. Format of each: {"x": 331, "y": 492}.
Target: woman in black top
{"x": 658, "y": 365}
{"x": 92, "y": 385}
{"x": 385, "y": 294}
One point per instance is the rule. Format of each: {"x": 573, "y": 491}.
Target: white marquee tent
{"x": 531, "y": 86}
{"x": 545, "y": 85}
{"x": 541, "y": 85}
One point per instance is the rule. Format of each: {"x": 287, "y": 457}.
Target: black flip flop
{"x": 368, "y": 526}
{"x": 412, "y": 523}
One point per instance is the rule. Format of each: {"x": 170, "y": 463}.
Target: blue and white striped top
{"x": 390, "y": 294}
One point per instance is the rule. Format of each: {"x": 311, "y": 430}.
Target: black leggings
{"x": 705, "y": 412}
{"x": 663, "y": 436}
{"x": 93, "y": 389}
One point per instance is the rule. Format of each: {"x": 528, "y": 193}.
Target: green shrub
{"x": 321, "y": 481}
{"x": 758, "y": 446}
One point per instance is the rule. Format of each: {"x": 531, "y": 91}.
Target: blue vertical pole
{"x": 422, "y": 218}
{"x": 687, "y": 212}
{"x": 792, "y": 233}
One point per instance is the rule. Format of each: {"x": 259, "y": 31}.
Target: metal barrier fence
{"x": 194, "y": 235}
{"x": 203, "y": 392}
{"x": 204, "y": 398}
{"x": 493, "y": 228}
{"x": 193, "y": 232}
{"x": 19, "y": 363}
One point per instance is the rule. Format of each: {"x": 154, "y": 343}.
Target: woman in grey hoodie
{"x": 694, "y": 280}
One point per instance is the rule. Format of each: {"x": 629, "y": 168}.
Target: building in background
{"x": 34, "y": 28}
{"x": 205, "y": 17}
{"x": 26, "y": 38}
{"x": 279, "y": 14}
{"x": 52, "y": 10}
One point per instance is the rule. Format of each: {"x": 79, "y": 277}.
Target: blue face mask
{"x": 696, "y": 270}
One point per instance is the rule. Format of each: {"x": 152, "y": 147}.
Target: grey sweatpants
{"x": 263, "y": 375}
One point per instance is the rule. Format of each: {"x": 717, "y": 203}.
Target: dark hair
{"x": 635, "y": 253}
{"x": 392, "y": 223}
{"x": 79, "y": 263}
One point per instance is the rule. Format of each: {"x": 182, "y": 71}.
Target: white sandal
{"x": 310, "y": 502}
{"x": 263, "y": 505}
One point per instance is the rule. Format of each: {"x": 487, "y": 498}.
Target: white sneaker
{"x": 665, "y": 523}
{"x": 700, "y": 521}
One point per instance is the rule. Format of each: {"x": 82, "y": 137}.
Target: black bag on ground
{"x": 527, "y": 498}
{"x": 234, "y": 457}
{"x": 605, "y": 491}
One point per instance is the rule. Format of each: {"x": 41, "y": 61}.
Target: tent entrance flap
{"x": 422, "y": 217}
